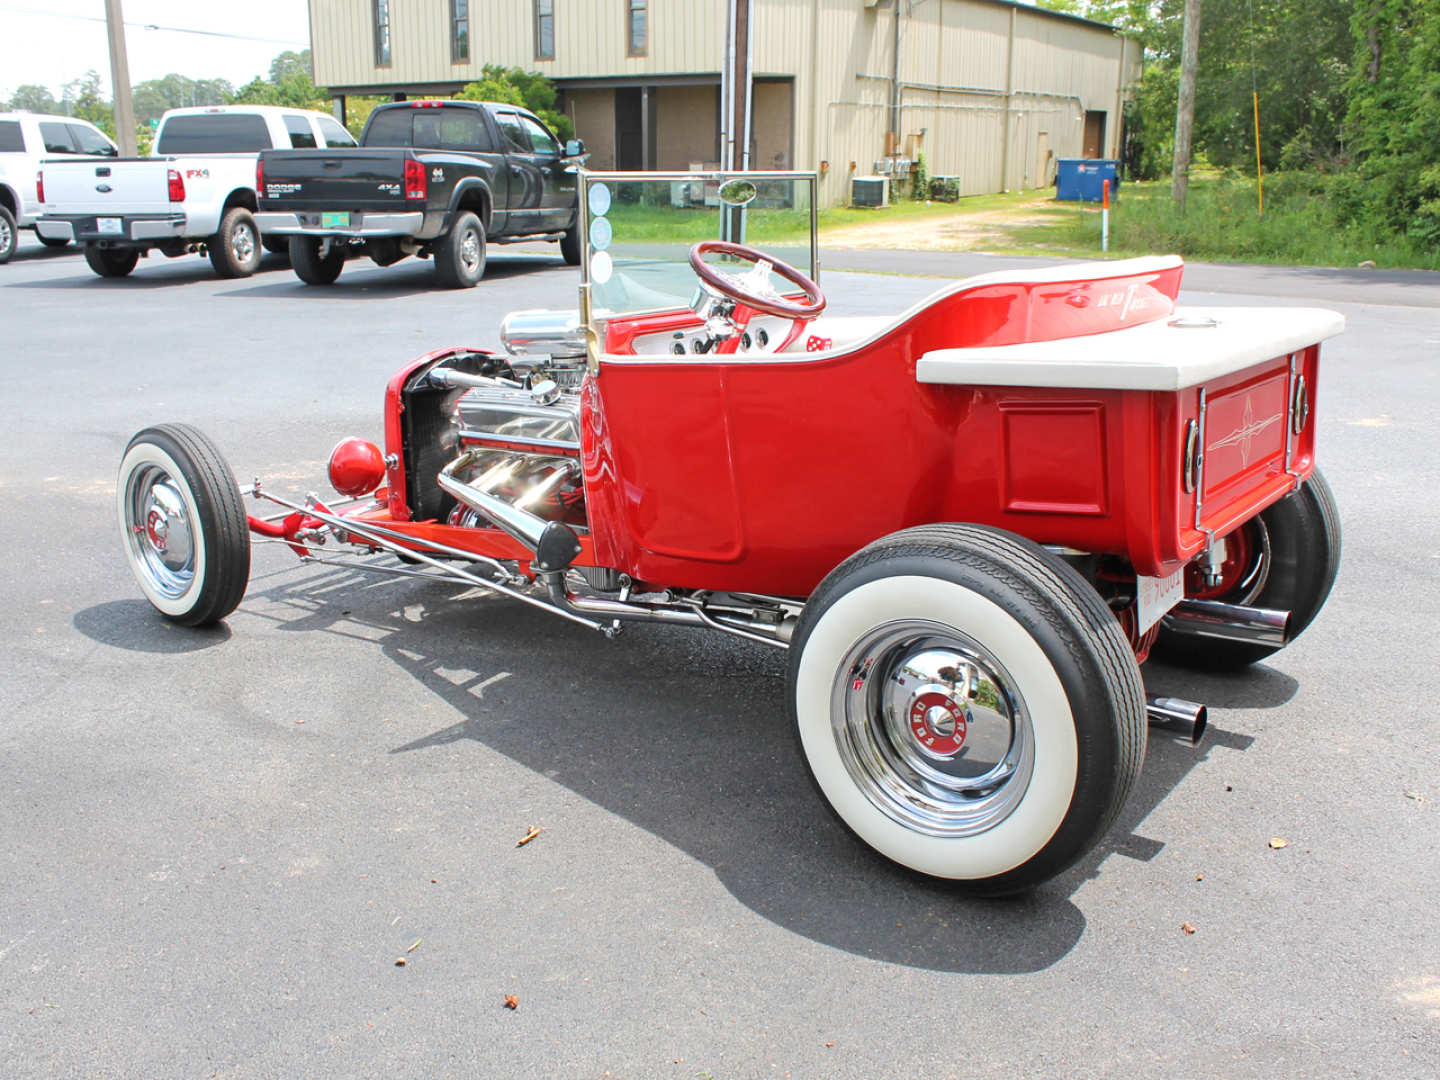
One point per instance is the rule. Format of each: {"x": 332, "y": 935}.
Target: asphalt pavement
{"x": 216, "y": 846}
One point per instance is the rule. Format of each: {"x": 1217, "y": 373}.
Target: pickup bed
{"x": 430, "y": 178}
{"x": 196, "y": 194}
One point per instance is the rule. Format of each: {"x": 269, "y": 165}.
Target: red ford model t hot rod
{"x": 967, "y": 523}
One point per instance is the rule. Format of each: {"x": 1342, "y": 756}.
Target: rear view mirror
{"x": 574, "y": 148}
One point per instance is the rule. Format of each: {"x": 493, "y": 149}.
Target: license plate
{"x": 335, "y": 220}
{"x": 1155, "y": 596}
{"x": 111, "y": 226}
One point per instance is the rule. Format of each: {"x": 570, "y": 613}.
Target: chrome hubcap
{"x": 932, "y": 729}
{"x": 160, "y": 531}
{"x": 4, "y": 234}
{"x": 243, "y": 243}
{"x": 470, "y": 249}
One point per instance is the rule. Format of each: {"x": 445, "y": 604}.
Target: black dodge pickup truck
{"x": 430, "y": 178}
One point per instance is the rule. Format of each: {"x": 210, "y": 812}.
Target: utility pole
{"x": 1185, "y": 107}
{"x": 120, "y": 78}
{"x": 736, "y": 88}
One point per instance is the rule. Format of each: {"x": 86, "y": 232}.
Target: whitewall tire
{"x": 967, "y": 705}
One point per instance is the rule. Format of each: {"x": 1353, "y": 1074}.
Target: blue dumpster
{"x": 1082, "y": 179}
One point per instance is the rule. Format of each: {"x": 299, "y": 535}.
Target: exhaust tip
{"x": 1184, "y": 719}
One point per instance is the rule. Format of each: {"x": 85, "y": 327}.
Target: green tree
{"x": 81, "y": 97}
{"x": 515, "y": 86}
{"x": 1393, "y": 116}
{"x": 36, "y": 99}
{"x": 154, "y": 96}
{"x": 290, "y": 84}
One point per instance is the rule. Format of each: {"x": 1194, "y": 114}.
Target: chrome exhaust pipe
{"x": 553, "y": 542}
{"x": 1186, "y": 719}
{"x": 1229, "y": 622}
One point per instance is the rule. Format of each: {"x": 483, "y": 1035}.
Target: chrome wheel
{"x": 931, "y": 728}
{"x": 183, "y": 525}
{"x": 159, "y": 531}
{"x": 7, "y": 235}
{"x": 470, "y": 251}
{"x": 242, "y": 243}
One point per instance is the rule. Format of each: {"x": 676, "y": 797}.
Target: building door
{"x": 1094, "y": 133}
{"x": 629, "y": 129}
{"x": 1042, "y": 159}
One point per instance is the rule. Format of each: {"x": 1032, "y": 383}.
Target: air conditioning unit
{"x": 869, "y": 191}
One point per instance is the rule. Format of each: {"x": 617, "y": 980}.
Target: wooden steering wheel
{"x": 734, "y": 287}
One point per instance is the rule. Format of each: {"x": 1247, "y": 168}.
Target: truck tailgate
{"x": 107, "y": 186}
{"x": 334, "y": 179}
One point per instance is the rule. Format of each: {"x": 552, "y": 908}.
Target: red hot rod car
{"x": 967, "y": 523}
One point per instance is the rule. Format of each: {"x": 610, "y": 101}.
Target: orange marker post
{"x": 1105, "y": 215}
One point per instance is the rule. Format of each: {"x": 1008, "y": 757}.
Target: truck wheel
{"x": 111, "y": 262}
{"x": 460, "y": 254}
{"x": 183, "y": 524}
{"x": 53, "y": 241}
{"x": 235, "y": 249}
{"x": 310, "y": 267}
{"x": 1285, "y": 558}
{"x": 570, "y": 243}
{"x": 967, "y": 705}
{"x": 8, "y": 236}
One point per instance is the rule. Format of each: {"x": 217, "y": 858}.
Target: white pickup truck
{"x": 25, "y": 140}
{"x": 195, "y": 193}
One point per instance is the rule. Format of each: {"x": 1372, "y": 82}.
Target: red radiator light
{"x": 357, "y": 467}
{"x": 415, "y": 183}
{"x": 177, "y": 186}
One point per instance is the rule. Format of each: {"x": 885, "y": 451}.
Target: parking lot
{"x": 218, "y": 844}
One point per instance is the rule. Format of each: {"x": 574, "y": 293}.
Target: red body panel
{"x": 762, "y": 474}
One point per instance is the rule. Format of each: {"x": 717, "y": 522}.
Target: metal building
{"x": 992, "y": 92}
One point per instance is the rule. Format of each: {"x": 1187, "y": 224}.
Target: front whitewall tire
{"x": 967, "y": 705}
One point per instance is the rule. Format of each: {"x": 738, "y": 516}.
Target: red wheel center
{"x": 157, "y": 529}
{"x": 938, "y": 723}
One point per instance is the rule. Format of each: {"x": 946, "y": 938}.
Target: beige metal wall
{"x": 590, "y": 40}
{"x": 991, "y": 92}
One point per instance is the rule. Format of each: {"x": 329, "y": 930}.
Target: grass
{"x": 638, "y": 223}
{"x": 1221, "y": 224}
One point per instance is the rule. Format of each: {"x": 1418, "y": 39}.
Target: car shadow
{"x": 186, "y": 269}
{"x": 134, "y": 625}
{"x": 36, "y": 253}
{"x": 403, "y": 279}
{"x": 695, "y": 748}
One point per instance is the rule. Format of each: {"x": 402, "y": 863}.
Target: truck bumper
{"x": 91, "y": 228}
{"x": 284, "y": 223}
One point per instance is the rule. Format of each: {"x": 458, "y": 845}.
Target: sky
{"x": 51, "y": 42}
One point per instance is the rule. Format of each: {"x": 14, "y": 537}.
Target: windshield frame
{"x": 587, "y": 178}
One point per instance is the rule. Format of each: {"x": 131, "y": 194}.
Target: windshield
{"x": 640, "y": 228}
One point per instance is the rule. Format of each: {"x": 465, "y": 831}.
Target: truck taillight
{"x": 177, "y": 186}
{"x": 40, "y": 186}
{"x": 415, "y": 186}
{"x": 259, "y": 178}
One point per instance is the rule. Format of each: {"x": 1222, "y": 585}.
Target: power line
{"x": 155, "y": 26}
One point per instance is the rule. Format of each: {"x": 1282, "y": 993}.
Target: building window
{"x": 459, "y": 31}
{"x": 382, "y": 32}
{"x": 636, "y": 36}
{"x": 544, "y": 29}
